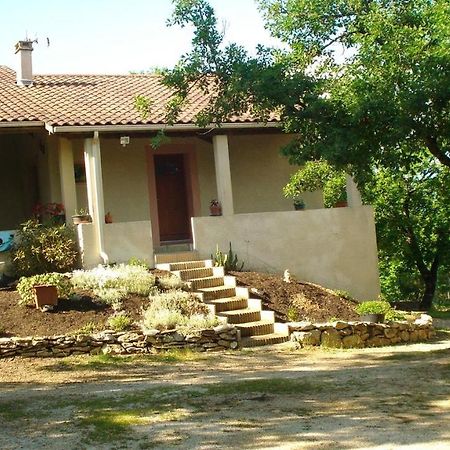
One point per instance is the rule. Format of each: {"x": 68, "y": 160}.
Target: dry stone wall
{"x": 361, "y": 334}
{"x": 222, "y": 337}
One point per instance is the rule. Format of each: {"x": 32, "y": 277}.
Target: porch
{"x": 161, "y": 197}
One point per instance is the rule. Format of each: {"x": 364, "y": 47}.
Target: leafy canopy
{"x": 358, "y": 80}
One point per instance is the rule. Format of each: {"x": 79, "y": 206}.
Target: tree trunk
{"x": 430, "y": 287}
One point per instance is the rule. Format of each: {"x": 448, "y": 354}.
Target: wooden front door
{"x": 172, "y": 199}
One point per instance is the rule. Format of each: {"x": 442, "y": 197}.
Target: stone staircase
{"x": 228, "y": 301}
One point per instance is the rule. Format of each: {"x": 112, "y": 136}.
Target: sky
{"x": 113, "y": 36}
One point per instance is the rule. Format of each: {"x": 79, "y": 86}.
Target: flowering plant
{"x": 214, "y": 202}
{"x": 49, "y": 209}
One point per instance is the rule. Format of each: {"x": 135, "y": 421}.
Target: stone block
{"x": 330, "y": 338}
{"x": 306, "y": 338}
{"x": 353, "y": 341}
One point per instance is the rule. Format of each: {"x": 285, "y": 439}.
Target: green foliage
{"x": 292, "y": 314}
{"x": 26, "y": 291}
{"x": 170, "y": 282}
{"x": 393, "y": 315}
{"x": 120, "y": 322}
{"x": 110, "y": 296}
{"x": 130, "y": 279}
{"x": 318, "y": 175}
{"x": 138, "y": 262}
{"x": 229, "y": 261}
{"x": 373, "y": 307}
{"x": 363, "y": 85}
{"x": 343, "y": 294}
{"x": 89, "y": 328}
{"x": 412, "y": 211}
{"x": 41, "y": 249}
{"x": 177, "y": 309}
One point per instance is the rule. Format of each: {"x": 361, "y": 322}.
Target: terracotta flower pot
{"x": 46, "y": 294}
{"x": 215, "y": 210}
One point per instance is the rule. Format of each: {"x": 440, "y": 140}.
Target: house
{"x": 79, "y": 140}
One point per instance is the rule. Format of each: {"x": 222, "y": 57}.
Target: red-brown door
{"x": 172, "y": 200}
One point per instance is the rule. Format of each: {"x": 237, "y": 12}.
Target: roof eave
{"x": 156, "y": 127}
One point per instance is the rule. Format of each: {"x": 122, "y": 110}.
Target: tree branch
{"x": 433, "y": 147}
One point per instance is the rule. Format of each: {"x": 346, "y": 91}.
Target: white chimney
{"x": 25, "y": 68}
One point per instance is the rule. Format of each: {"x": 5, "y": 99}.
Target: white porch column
{"x": 223, "y": 174}
{"x": 94, "y": 183}
{"x": 353, "y": 194}
{"x": 67, "y": 176}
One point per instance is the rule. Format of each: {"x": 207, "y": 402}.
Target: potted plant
{"x": 299, "y": 204}
{"x": 215, "y": 208}
{"x": 373, "y": 311}
{"x": 81, "y": 216}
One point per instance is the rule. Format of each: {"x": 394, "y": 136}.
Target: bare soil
{"x": 305, "y": 301}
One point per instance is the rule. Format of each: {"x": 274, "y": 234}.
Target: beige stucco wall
{"x": 123, "y": 240}
{"x": 259, "y": 172}
{"x": 333, "y": 247}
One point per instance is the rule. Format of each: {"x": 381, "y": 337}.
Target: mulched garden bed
{"x": 311, "y": 302}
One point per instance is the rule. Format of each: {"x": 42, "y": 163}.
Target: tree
{"x": 384, "y": 101}
{"x": 382, "y": 107}
{"x": 412, "y": 208}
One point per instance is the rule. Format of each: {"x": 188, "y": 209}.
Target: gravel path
{"x": 386, "y": 398}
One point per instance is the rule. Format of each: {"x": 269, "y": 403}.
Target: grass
{"x": 113, "y": 362}
{"x": 439, "y": 313}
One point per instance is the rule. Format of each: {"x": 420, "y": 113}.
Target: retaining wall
{"x": 222, "y": 337}
{"x": 361, "y": 334}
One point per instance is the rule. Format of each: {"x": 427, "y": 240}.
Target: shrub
{"x": 110, "y": 296}
{"x": 178, "y": 309}
{"x": 26, "y": 291}
{"x": 89, "y": 328}
{"x": 138, "y": 262}
{"x": 128, "y": 278}
{"x": 41, "y": 249}
{"x": 170, "y": 282}
{"x": 373, "y": 307}
{"x": 120, "y": 322}
{"x": 393, "y": 315}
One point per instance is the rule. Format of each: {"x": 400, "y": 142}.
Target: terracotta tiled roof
{"x": 90, "y": 100}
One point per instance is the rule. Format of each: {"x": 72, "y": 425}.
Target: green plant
{"x": 373, "y": 307}
{"x": 170, "y": 282}
{"x": 138, "y": 262}
{"x": 26, "y": 291}
{"x": 292, "y": 314}
{"x": 41, "y": 249}
{"x": 88, "y": 328}
{"x": 82, "y": 212}
{"x": 394, "y": 315}
{"x": 110, "y": 296}
{"x": 120, "y": 322}
{"x": 229, "y": 261}
{"x": 343, "y": 294}
{"x": 131, "y": 279}
{"x": 314, "y": 176}
{"x": 177, "y": 309}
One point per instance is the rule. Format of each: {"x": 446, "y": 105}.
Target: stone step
{"x": 176, "y": 257}
{"x": 256, "y": 328}
{"x": 185, "y": 265}
{"x": 242, "y": 315}
{"x": 229, "y": 303}
{"x": 265, "y": 339}
{"x": 214, "y": 293}
{"x": 190, "y": 274}
{"x": 206, "y": 282}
